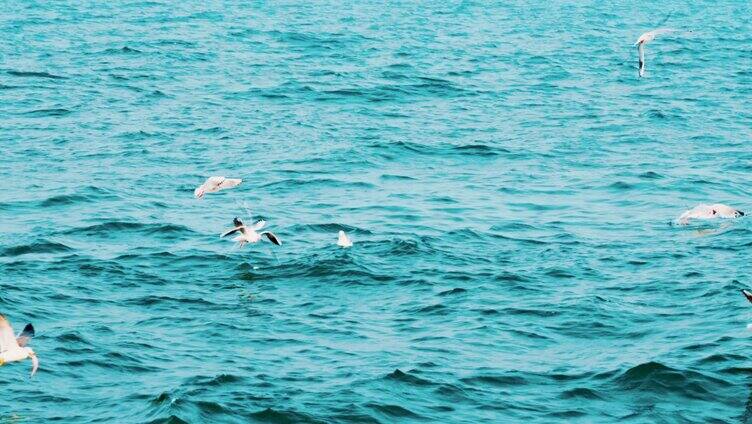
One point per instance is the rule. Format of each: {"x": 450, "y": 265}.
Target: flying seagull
{"x": 714, "y": 211}
{"x": 250, "y": 234}
{"x": 343, "y": 240}
{"x": 644, "y": 39}
{"x": 14, "y": 348}
{"x": 214, "y": 184}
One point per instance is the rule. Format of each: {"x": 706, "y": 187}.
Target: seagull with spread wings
{"x": 13, "y": 348}
{"x": 250, "y": 234}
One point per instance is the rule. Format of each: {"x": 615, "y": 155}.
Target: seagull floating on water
{"x": 13, "y": 349}
{"x": 644, "y": 39}
{"x": 714, "y": 211}
{"x": 343, "y": 240}
{"x": 250, "y": 234}
{"x": 214, "y": 184}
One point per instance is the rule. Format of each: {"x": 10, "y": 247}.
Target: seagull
{"x": 14, "y": 348}
{"x": 343, "y": 240}
{"x": 703, "y": 211}
{"x": 214, "y": 184}
{"x": 250, "y": 234}
{"x": 644, "y": 39}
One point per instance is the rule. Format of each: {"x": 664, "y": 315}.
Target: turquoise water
{"x": 507, "y": 179}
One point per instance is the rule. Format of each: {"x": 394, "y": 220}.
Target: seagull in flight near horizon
{"x": 214, "y": 184}
{"x": 644, "y": 39}
{"x": 13, "y": 349}
{"x": 343, "y": 240}
{"x": 714, "y": 211}
{"x": 250, "y": 234}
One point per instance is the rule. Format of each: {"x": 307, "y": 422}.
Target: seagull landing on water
{"x": 13, "y": 349}
{"x": 343, "y": 240}
{"x": 644, "y": 39}
{"x": 717, "y": 210}
{"x": 214, "y": 184}
{"x": 250, "y": 234}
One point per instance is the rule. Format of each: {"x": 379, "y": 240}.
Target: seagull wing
{"x": 259, "y": 225}
{"x": 641, "y": 53}
{"x": 272, "y": 238}
{"x": 233, "y": 231}
{"x": 7, "y": 338}
{"x": 26, "y": 335}
{"x": 662, "y": 31}
{"x": 34, "y": 364}
{"x": 199, "y": 191}
{"x": 215, "y": 181}
{"x": 747, "y": 294}
{"x": 229, "y": 182}
{"x": 343, "y": 240}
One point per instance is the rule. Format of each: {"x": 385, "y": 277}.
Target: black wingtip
{"x": 747, "y": 294}
{"x": 273, "y": 238}
{"x": 28, "y": 330}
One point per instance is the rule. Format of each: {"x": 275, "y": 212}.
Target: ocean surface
{"x": 508, "y": 180}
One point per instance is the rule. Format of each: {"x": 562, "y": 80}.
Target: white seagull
{"x": 250, "y": 234}
{"x": 714, "y": 211}
{"x": 214, "y": 184}
{"x": 13, "y": 349}
{"x": 343, "y": 240}
{"x": 644, "y": 39}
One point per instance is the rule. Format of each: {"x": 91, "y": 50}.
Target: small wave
{"x": 124, "y": 226}
{"x": 217, "y": 380}
{"x": 36, "y": 248}
{"x": 399, "y": 376}
{"x": 395, "y": 411}
{"x": 299, "y": 183}
{"x": 621, "y": 186}
{"x": 581, "y": 393}
{"x": 24, "y": 74}
{"x": 656, "y": 377}
{"x": 388, "y": 177}
{"x": 156, "y": 300}
{"x": 454, "y": 291}
{"x": 328, "y": 228}
{"x": 480, "y": 150}
{"x": 495, "y": 380}
{"x": 437, "y": 309}
{"x": 314, "y": 266}
{"x": 63, "y": 199}
{"x": 172, "y": 419}
{"x": 650, "y": 175}
{"x": 48, "y": 112}
{"x": 123, "y": 50}
{"x": 274, "y": 416}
